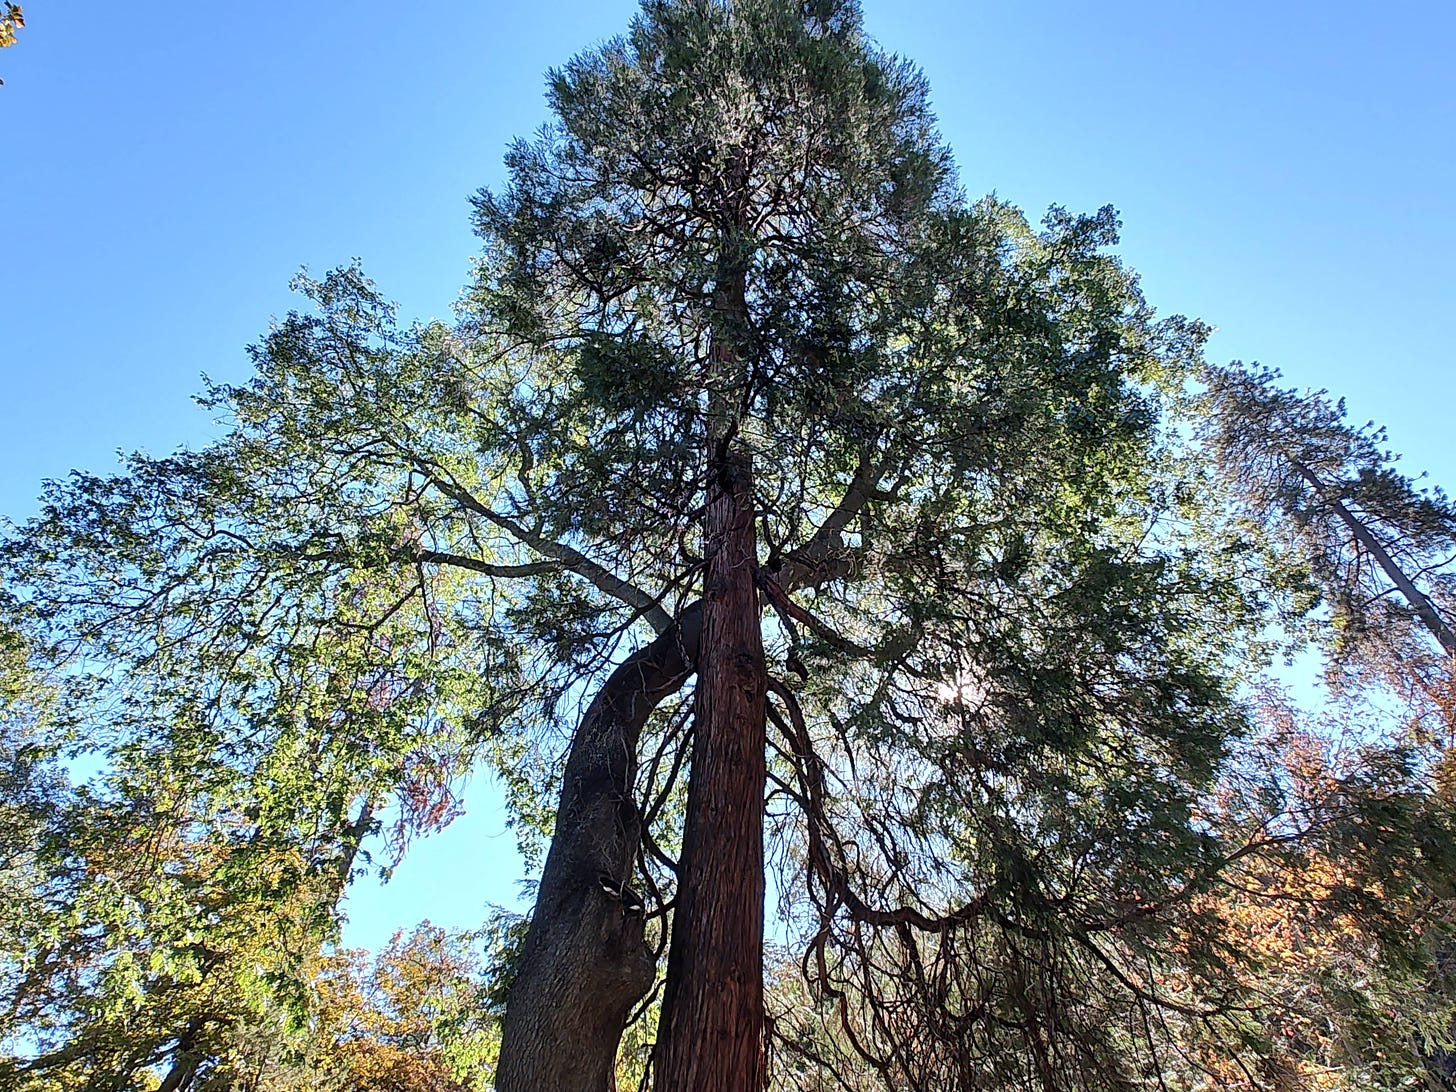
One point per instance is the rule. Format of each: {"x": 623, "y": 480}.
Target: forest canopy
{"x": 868, "y": 602}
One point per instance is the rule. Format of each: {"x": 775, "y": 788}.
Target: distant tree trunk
{"x": 185, "y": 1059}
{"x": 585, "y": 964}
{"x": 1419, "y": 602}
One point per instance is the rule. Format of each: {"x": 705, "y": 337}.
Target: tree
{"x": 745, "y": 393}
{"x": 11, "y": 20}
{"x": 1344, "y": 926}
{"x": 1378, "y": 551}
{"x": 154, "y": 932}
{"x": 739, "y": 248}
{"x": 410, "y": 1019}
{"x": 1378, "y": 548}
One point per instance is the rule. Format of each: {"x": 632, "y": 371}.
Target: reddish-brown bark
{"x": 711, "y": 1035}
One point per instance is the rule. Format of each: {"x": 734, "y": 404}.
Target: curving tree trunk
{"x": 585, "y": 964}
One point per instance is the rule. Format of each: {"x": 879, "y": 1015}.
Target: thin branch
{"x": 440, "y": 557}
{"x": 570, "y": 558}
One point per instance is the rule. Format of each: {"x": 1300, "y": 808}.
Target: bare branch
{"x": 571, "y": 559}
{"x": 440, "y": 557}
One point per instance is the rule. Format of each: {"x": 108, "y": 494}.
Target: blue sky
{"x": 1284, "y": 171}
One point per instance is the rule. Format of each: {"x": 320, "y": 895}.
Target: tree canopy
{"x": 771, "y": 505}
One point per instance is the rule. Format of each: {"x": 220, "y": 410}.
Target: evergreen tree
{"x": 739, "y": 265}
{"x": 746, "y": 394}
{"x": 1379, "y": 548}
{"x": 1374, "y": 551}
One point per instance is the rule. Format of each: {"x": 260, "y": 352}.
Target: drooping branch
{"x": 826, "y": 854}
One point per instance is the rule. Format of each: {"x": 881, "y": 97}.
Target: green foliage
{"x": 1013, "y": 698}
{"x": 1329, "y": 496}
{"x": 1015, "y": 806}
{"x": 249, "y": 642}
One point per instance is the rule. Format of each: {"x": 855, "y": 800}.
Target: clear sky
{"x": 1284, "y": 171}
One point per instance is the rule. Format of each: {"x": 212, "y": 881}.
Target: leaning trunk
{"x": 1418, "y": 600}
{"x": 585, "y": 964}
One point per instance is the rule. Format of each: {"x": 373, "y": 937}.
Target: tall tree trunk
{"x": 711, "y": 1035}
{"x": 585, "y": 964}
{"x": 710, "y": 1038}
{"x": 1419, "y": 602}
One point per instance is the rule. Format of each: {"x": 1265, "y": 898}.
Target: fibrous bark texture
{"x": 711, "y": 1035}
